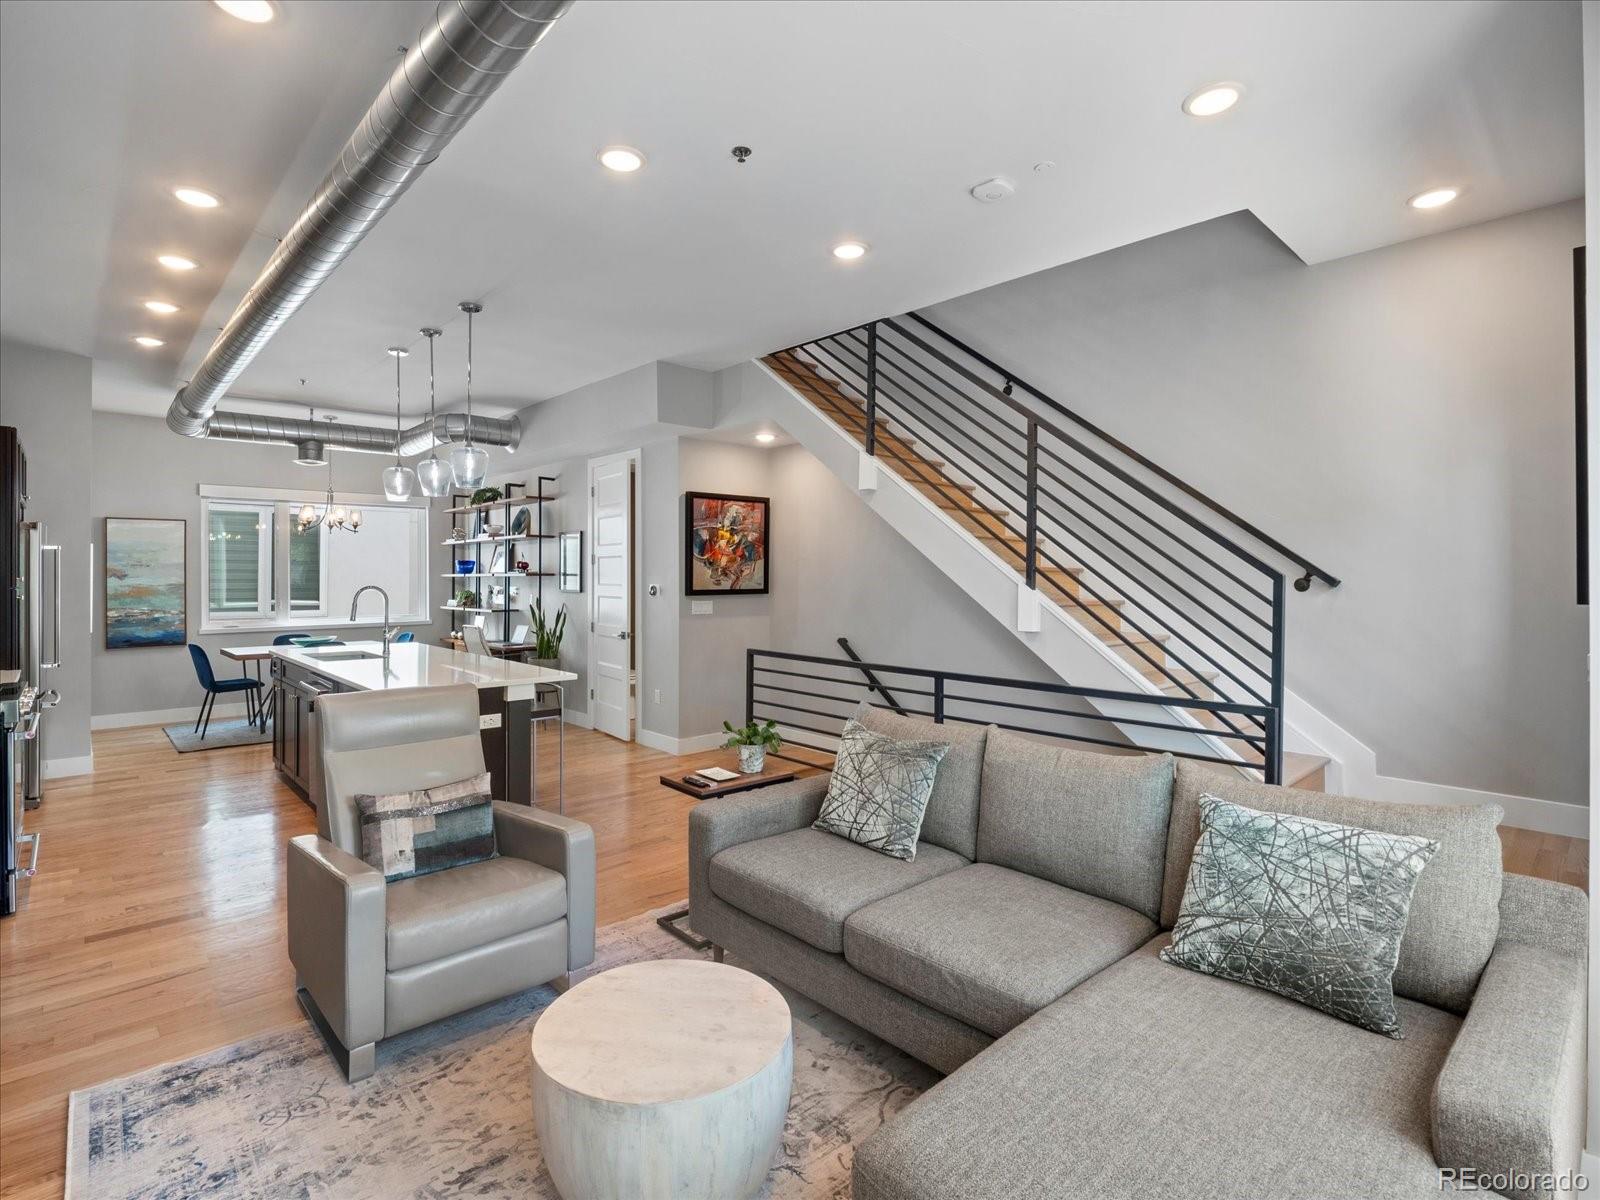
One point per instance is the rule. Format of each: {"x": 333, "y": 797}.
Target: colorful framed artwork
{"x": 728, "y": 544}
{"x": 146, "y": 582}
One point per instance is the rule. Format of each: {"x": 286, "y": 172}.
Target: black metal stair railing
{"x": 812, "y": 696}
{"x": 1076, "y": 512}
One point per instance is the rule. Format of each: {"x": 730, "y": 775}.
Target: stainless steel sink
{"x": 340, "y": 654}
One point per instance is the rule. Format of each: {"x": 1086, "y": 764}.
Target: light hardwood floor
{"x": 155, "y": 929}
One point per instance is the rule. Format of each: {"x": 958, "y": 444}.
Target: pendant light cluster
{"x": 334, "y": 516}
{"x": 434, "y": 477}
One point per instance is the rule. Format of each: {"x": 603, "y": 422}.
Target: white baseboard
{"x": 61, "y": 768}
{"x": 1353, "y": 771}
{"x": 578, "y": 720}
{"x": 673, "y": 745}
{"x": 162, "y": 716}
{"x": 1522, "y": 812}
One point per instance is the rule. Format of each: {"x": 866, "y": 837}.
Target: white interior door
{"x": 610, "y": 649}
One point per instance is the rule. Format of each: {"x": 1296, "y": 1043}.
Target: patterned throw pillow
{"x": 416, "y": 833}
{"x": 880, "y": 789}
{"x": 1304, "y": 908}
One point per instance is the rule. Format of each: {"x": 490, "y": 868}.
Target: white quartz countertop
{"x": 417, "y": 664}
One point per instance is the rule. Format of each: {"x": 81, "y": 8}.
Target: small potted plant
{"x": 466, "y": 598}
{"x": 547, "y": 635}
{"x": 753, "y": 741}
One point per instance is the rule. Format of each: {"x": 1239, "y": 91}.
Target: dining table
{"x": 245, "y": 655}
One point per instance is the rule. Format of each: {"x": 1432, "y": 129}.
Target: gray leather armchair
{"x": 374, "y": 959}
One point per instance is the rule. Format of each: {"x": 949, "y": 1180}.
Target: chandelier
{"x": 334, "y": 516}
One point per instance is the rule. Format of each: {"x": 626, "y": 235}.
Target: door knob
{"x": 623, "y": 636}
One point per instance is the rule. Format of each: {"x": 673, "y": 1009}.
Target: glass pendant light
{"x": 433, "y": 473}
{"x": 398, "y": 480}
{"x": 468, "y": 463}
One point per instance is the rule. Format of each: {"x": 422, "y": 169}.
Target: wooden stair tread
{"x": 1296, "y": 767}
{"x": 989, "y": 525}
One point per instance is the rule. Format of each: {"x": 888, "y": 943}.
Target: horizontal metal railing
{"x": 1187, "y": 604}
{"x": 812, "y": 696}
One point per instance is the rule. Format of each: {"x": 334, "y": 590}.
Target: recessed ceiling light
{"x": 161, "y": 306}
{"x": 176, "y": 262}
{"x": 764, "y": 438}
{"x": 621, "y": 159}
{"x": 1212, "y": 99}
{"x": 195, "y": 198}
{"x": 849, "y": 251}
{"x": 149, "y": 343}
{"x": 1434, "y": 198}
{"x": 257, "y": 12}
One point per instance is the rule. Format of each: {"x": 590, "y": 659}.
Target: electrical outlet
{"x": 655, "y": 696}
{"x": 488, "y": 720}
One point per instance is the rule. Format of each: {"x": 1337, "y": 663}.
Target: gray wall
{"x": 1403, "y": 417}
{"x": 837, "y": 569}
{"x": 711, "y": 647}
{"x": 840, "y": 570}
{"x": 143, "y": 469}
{"x": 46, "y": 394}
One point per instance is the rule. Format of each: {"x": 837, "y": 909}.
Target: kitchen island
{"x": 507, "y": 694}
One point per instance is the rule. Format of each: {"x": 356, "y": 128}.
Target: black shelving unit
{"x": 462, "y": 510}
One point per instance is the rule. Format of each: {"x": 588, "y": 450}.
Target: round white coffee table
{"x": 666, "y": 1079}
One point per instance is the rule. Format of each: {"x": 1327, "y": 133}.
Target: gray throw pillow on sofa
{"x": 1307, "y": 909}
{"x": 879, "y": 790}
{"x": 952, "y": 817}
{"x": 1455, "y": 915}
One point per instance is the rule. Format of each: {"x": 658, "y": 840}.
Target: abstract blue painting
{"x": 146, "y": 602}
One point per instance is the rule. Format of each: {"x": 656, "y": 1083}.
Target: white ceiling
{"x": 868, "y": 120}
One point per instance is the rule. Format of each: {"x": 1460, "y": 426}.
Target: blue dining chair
{"x": 284, "y": 639}
{"x": 407, "y": 636}
{"x": 214, "y": 687}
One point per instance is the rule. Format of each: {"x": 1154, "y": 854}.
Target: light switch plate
{"x": 488, "y": 720}
{"x": 700, "y": 608}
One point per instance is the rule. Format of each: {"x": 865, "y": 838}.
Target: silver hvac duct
{"x": 366, "y": 439}
{"x": 250, "y": 427}
{"x": 456, "y": 62}
{"x": 452, "y": 427}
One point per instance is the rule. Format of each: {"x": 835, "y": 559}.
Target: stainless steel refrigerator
{"x": 30, "y": 648}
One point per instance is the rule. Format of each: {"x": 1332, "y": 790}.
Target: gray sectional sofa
{"x": 1018, "y": 954}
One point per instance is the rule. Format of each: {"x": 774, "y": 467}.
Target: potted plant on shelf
{"x": 466, "y": 598}
{"x": 753, "y": 741}
{"x": 547, "y": 635}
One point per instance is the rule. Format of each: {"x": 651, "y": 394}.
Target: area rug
{"x": 447, "y": 1113}
{"x": 236, "y": 731}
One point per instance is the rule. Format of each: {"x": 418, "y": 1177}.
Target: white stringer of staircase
{"x": 1062, "y": 643}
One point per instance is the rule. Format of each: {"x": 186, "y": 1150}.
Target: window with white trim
{"x": 263, "y": 572}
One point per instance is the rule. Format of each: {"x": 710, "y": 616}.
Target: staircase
{"x": 1127, "y": 553}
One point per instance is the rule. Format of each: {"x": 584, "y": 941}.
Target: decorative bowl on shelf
{"x": 493, "y": 531}
{"x": 465, "y": 566}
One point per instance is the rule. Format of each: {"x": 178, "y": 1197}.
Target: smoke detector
{"x": 991, "y": 191}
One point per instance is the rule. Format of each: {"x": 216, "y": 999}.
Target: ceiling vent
{"x": 992, "y": 191}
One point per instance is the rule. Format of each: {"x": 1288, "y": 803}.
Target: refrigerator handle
{"x": 55, "y": 638}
